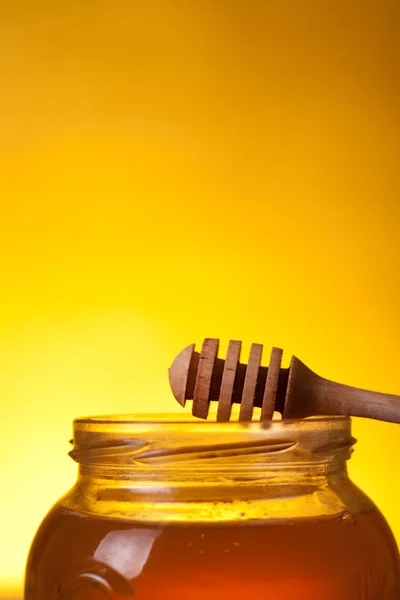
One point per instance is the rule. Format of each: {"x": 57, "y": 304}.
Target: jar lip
{"x": 185, "y": 419}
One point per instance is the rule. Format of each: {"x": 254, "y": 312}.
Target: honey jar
{"x": 169, "y": 509}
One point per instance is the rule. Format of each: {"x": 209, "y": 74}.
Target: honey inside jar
{"x": 213, "y": 511}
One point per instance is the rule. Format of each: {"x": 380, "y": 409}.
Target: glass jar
{"x": 174, "y": 510}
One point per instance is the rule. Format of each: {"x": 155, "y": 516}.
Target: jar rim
{"x": 97, "y": 429}
{"x": 187, "y": 419}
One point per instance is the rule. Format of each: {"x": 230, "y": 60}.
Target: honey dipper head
{"x": 203, "y": 377}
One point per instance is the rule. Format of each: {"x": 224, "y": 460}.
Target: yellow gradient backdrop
{"x": 175, "y": 170}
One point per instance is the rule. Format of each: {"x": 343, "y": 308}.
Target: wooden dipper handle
{"x": 296, "y": 392}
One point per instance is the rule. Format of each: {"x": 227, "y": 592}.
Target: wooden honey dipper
{"x": 295, "y": 392}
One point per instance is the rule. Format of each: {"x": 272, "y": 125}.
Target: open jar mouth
{"x": 185, "y": 418}
{"x": 173, "y": 441}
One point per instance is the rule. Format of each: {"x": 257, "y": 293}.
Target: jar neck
{"x": 272, "y": 471}
{"x": 287, "y": 493}
{"x": 269, "y": 482}
{"x": 203, "y": 451}
{"x": 193, "y": 468}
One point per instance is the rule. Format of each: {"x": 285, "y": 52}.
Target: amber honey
{"x": 212, "y": 518}
{"x": 342, "y": 558}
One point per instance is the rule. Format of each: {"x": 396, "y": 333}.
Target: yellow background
{"x": 174, "y": 170}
